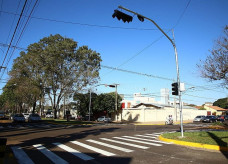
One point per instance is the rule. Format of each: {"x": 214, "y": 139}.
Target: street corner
{"x": 195, "y": 145}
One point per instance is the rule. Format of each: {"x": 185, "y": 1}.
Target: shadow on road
{"x": 220, "y": 143}
{"x": 64, "y": 135}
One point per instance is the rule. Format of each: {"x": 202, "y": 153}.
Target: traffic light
{"x": 174, "y": 88}
{"x": 140, "y": 18}
{"x": 120, "y": 15}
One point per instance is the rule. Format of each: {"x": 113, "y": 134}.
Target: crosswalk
{"x": 113, "y": 146}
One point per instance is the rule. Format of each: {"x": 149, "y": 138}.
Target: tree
{"x": 56, "y": 67}
{"x": 215, "y": 67}
{"x": 223, "y": 103}
{"x": 99, "y": 103}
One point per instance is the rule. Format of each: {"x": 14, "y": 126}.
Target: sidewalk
{"x": 161, "y": 122}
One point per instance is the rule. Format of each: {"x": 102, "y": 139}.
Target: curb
{"x": 196, "y": 145}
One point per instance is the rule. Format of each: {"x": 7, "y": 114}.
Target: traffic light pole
{"x": 176, "y": 58}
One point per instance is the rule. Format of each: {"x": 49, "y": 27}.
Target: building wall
{"x": 152, "y": 114}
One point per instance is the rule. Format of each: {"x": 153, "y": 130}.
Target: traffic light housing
{"x": 174, "y": 88}
{"x": 120, "y": 15}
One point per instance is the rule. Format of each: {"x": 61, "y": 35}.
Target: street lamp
{"x": 128, "y": 18}
{"x": 90, "y": 98}
{"x": 107, "y": 85}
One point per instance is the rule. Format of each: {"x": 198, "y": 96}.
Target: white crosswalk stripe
{"x": 146, "y": 136}
{"x": 52, "y": 156}
{"x": 125, "y": 143}
{"x": 74, "y": 152}
{"x": 106, "y": 153}
{"x": 21, "y": 156}
{"x": 156, "y": 135}
{"x": 144, "y": 139}
{"x": 132, "y": 140}
{"x": 111, "y": 146}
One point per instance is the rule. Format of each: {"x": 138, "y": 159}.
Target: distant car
{"x": 199, "y": 118}
{"x": 226, "y": 117}
{"x": 2, "y": 116}
{"x": 210, "y": 118}
{"x": 18, "y": 118}
{"x": 34, "y": 118}
{"x": 26, "y": 115}
{"x": 220, "y": 118}
{"x": 49, "y": 115}
{"x": 104, "y": 119}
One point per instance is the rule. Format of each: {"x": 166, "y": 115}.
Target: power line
{"x": 137, "y": 73}
{"x": 14, "y": 33}
{"x": 84, "y": 24}
{"x": 21, "y": 34}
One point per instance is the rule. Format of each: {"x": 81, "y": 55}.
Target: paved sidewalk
{"x": 161, "y": 122}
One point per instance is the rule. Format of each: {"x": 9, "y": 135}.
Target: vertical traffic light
{"x": 174, "y": 88}
{"x": 120, "y": 15}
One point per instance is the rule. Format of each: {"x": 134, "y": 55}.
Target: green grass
{"x": 65, "y": 122}
{"x": 219, "y": 138}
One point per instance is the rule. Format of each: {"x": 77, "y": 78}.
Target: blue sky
{"x": 136, "y": 46}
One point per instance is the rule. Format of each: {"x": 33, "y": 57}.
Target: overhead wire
{"x": 156, "y": 40}
{"x": 21, "y": 33}
{"x": 84, "y": 24}
{"x": 14, "y": 34}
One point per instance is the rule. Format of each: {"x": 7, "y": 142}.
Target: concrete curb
{"x": 192, "y": 144}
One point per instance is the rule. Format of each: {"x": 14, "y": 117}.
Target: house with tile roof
{"x": 214, "y": 110}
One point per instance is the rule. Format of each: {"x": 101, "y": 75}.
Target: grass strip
{"x": 218, "y": 138}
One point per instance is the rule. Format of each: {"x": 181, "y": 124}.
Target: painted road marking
{"x": 21, "y": 156}
{"x": 146, "y": 136}
{"x": 73, "y": 151}
{"x": 132, "y": 140}
{"x": 156, "y": 135}
{"x": 125, "y": 143}
{"x": 111, "y": 146}
{"x": 52, "y": 156}
{"x": 106, "y": 153}
{"x": 144, "y": 139}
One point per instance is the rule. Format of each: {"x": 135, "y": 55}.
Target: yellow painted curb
{"x": 149, "y": 124}
{"x": 192, "y": 144}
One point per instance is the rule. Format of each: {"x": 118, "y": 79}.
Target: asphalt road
{"x": 102, "y": 144}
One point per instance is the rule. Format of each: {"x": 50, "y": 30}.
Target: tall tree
{"x": 223, "y": 103}
{"x": 58, "y": 67}
{"x": 215, "y": 67}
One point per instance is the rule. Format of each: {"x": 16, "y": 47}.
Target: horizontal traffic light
{"x": 120, "y": 15}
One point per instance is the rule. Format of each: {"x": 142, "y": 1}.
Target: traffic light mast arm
{"x": 121, "y": 7}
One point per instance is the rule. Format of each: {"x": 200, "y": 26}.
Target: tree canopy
{"x": 54, "y": 66}
{"x": 215, "y": 66}
{"x": 223, "y": 103}
{"x": 99, "y": 103}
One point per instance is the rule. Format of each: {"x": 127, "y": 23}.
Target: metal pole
{"x": 177, "y": 67}
{"x": 116, "y": 103}
{"x": 89, "y": 102}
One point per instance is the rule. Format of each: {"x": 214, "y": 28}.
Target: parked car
{"x": 2, "y": 116}
{"x": 104, "y": 119}
{"x": 49, "y": 115}
{"x": 34, "y": 118}
{"x": 210, "y": 118}
{"x": 26, "y": 115}
{"x": 226, "y": 117}
{"x": 18, "y": 118}
{"x": 199, "y": 118}
{"x": 220, "y": 118}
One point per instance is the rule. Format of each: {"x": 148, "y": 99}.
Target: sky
{"x": 128, "y": 50}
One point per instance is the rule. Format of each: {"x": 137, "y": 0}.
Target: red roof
{"x": 217, "y": 108}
